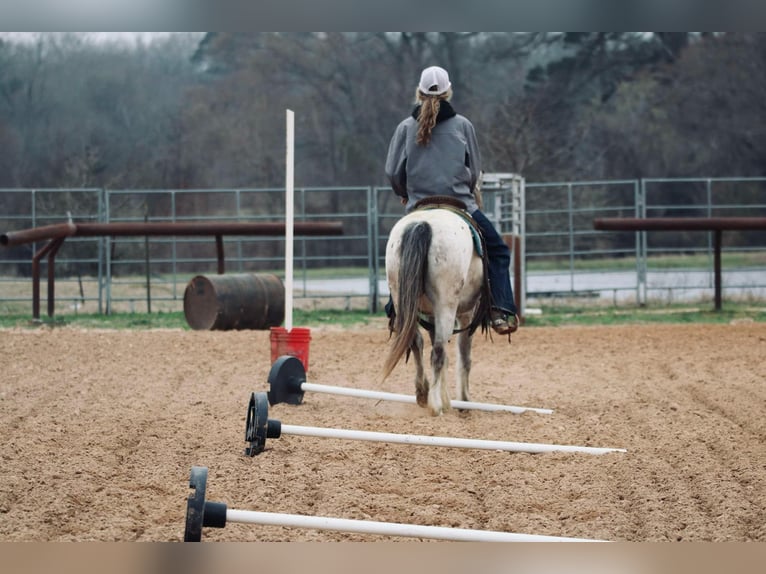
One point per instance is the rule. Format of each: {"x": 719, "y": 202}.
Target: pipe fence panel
{"x": 323, "y": 267}
{"x": 563, "y": 256}
{"x": 78, "y": 261}
{"x": 679, "y": 266}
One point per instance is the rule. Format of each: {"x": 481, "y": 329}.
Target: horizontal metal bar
{"x": 680, "y": 224}
{"x": 158, "y": 229}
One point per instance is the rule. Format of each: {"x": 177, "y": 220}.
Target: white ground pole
{"x": 401, "y": 398}
{"x": 424, "y": 440}
{"x": 289, "y": 217}
{"x": 389, "y": 528}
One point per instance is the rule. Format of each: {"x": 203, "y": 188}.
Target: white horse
{"x": 436, "y": 280}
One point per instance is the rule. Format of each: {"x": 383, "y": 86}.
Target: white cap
{"x": 434, "y": 81}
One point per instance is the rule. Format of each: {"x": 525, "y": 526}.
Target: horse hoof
{"x": 443, "y": 409}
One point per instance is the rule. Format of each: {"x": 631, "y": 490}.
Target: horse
{"x": 436, "y": 277}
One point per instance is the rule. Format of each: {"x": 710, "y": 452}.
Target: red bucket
{"x": 295, "y": 343}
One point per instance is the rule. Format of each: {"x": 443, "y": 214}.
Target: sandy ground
{"x": 100, "y": 430}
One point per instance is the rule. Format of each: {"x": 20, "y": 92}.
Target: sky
{"x": 126, "y": 37}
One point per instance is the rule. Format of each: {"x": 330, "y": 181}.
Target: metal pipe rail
{"x": 679, "y": 223}
{"x": 715, "y": 224}
{"x": 56, "y": 235}
{"x": 12, "y": 238}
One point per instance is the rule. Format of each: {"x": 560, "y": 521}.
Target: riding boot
{"x": 504, "y": 317}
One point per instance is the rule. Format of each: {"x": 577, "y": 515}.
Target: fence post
{"x": 147, "y": 263}
{"x": 108, "y": 254}
{"x": 641, "y": 246}
{"x": 518, "y": 217}
{"x": 100, "y": 217}
{"x": 372, "y": 249}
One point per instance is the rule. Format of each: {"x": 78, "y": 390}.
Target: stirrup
{"x": 504, "y": 323}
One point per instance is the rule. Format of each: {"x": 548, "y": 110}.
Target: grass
{"x": 550, "y": 316}
{"x": 553, "y": 316}
{"x": 174, "y": 320}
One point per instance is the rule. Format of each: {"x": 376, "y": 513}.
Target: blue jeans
{"x": 499, "y": 262}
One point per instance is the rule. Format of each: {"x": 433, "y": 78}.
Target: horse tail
{"x": 413, "y": 266}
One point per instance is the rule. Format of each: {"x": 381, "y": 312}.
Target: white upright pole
{"x": 289, "y": 217}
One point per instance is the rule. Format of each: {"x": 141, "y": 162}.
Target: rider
{"x": 434, "y": 152}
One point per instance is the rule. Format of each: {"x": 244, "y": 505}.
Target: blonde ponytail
{"x": 429, "y": 110}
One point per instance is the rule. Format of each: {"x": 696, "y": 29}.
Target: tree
{"x": 693, "y": 116}
{"x": 569, "y": 78}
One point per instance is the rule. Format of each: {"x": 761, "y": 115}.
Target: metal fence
{"x": 567, "y": 258}
{"x": 137, "y": 273}
{"x": 563, "y": 257}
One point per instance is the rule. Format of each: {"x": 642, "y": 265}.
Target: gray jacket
{"x": 449, "y": 165}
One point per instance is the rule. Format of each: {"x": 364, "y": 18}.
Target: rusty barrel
{"x": 235, "y": 301}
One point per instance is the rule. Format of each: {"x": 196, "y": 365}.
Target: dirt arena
{"x": 101, "y": 428}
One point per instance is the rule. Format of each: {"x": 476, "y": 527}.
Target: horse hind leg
{"x": 438, "y": 397}
{"x": 463, "y": 366}
{"x": 421, "y": 382}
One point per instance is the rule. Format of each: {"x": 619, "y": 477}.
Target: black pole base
{"x": 258, "y": 426}
{"x": 200, "y": 513}
{"x": 285, "y": 379}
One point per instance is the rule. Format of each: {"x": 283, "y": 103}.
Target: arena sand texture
{"x": 101, "y": 428}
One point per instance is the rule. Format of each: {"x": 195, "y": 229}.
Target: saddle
{"x": 481, "y": 317}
